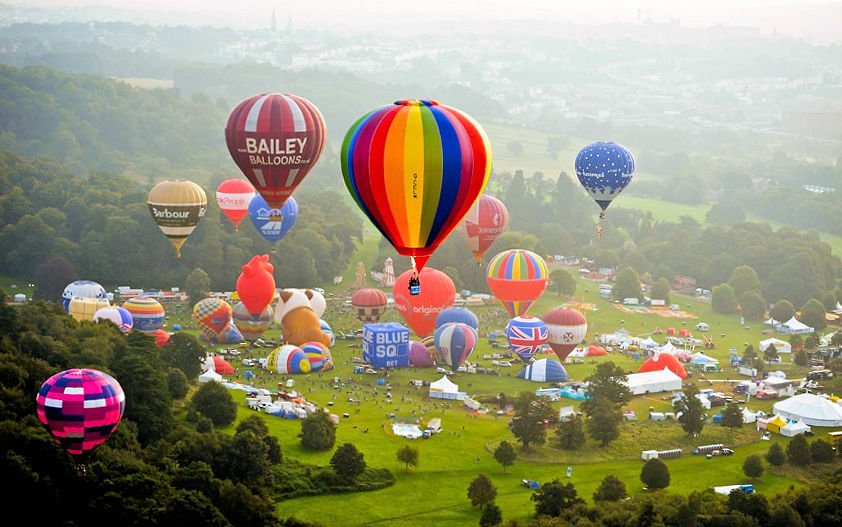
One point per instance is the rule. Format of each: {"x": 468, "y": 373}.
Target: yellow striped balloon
{"x": 177, "y": 207}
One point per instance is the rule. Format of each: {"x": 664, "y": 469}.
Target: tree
{"x": 606, "y": 258}
{"x": 554, "y": 497}
{"x": 785, "y": 516}
{"x": 692, "y": 411}
{"x": 770, "y": 353}
{"x": 570, "y": 434}
{"x": 317, "y": 432}
{"x": 798, "y": 451}
{"x": 800, "y": 358}
{"x": 744, "y": 279}
{"x": 835, "y": 365}
{"x": 660, "y": 290}
{"x": 481, "y": 491}
{"x": 408, "y": 455}
{"x": 177, "y": 384}
{"x": 527, "y": 424}
{"x": 813, "y": 314}
{"x": 215, "y": 402}
{"x": 255, "y": 424}
{"x": 243, "y": 458}
{"x": 347, "y": 461}
{"x": 724, "y": 300}
{"x": 607, "y": 382}
{"x": 725, "y": 213}
{"x": 655, "y": 474}
{"x": 604, "y": 421}
{"x": 626, "y": 284}
{"x": 732, "y": 417}
{"x": 491, "y": 516}
{"x": 185, "y": 352}
{"x": 505, "y": 454}
{"x": 51, "y": 278}
{"x": 782, "y": 311}
{"x": 829, "y": 300}
{"x": 821, "y": 451}
{"x": 273, "y": 449}
{"x": 775, "y": 455}
{"x": 197, "y": 284}
{"x": 836, "y": 338}
{"x": 562, "y": 283}
{"x": 636, "y": 260}
{"x": 753, "y": 306}
{"x": 612, "y": 488}
{"x": 753, "y": 466}
{"x": 795, "y": 341}
{"x": 749, "y": 354}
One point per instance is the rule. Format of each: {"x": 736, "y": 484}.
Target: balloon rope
{"x": 178, "y": 253}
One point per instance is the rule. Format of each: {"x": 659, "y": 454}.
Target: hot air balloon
{"x": 415, "y": 168}
{"x": 483, "y": 225}
{"x": 80, "y": 408}
{"x": 161, "y": 337}
{"x": 457, "y": 314}
{"x": 81, "y": 289}
{"x": 325, "y": 327}
{"x": 177, "y": 207}
{"x": 271, "y": 223}
{"x": 317, "y": 302}
{"x": 213, "y": 316}
{"x": 256, "y": 285}
{"x": 517, "y": 277}
{"x": 544, "y": 370}
{"x": 233, "y": 197}
{"x": 369, "y": 304}
{"x": 147, "y": 313}
{"x": 275, "y": 139}
{"x": 251, "y": 326}
{"x": 288, "y": 359}
{"x": 319, "y": 356}
{"x": 85, "y": 308}
{"x": 526, "y": 335}
{"x": 455, "y": 343}
{"x": 604, "y": 169}
{"x": 419, "y": 355}
{"x": 420, "y": 311}
{"x": 565, "y": 330}
{"x": 118, "y": 316}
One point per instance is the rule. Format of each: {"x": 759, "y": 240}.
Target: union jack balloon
{"x": 526, "y": 335}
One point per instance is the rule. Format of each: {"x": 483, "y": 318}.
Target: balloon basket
{"x": 81, "y": 470}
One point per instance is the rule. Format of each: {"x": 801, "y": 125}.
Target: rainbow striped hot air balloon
{"x": 147, "y": 313}
{"x": 288, "y": 359}
{"x": 319, "y": 356}
{"x": 415, "y": 168}
{"x": 517, "y": 278}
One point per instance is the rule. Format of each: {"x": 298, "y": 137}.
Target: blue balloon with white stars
{"x": 604, "y": 169}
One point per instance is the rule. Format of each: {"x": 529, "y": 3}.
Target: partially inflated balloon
{"x": 420, "y": 356}
{"x": 317, "y": 302}
{"x": 213, "y": 316}
{"x": 271, "y": 223}
{"x": 565, "y": 330}
{"x": 275, "y": 139}
{"x": 455, "y": 343}
{"x": 81, "y": 289}
{"x": 80, "y": 408}
{"x": 256, "y": 285}
{"x": 147, "y": 313}
{"x": 288, "y": 359}
{"x": 369, "y": 304}
{"x": 526, "y": 335}
{"x": 415, "y": 168}
{"x": 420, "y": 311}
{"x": 85, "y": 308}
{"x": 483, "y": 225}
{"x": 118, "y": 316}
{"x": 319, "y": 356}
{"x": 604, "y": 169}
{"x": 233, "y": 197}
{"x": 161, "y": 337}
{"x": 325, "y": 327}
{"x": 177, "y": 207}
{"x": 457, "y": 314}
{"x": 251, "y": 326}
{"x": 517, "y": 278}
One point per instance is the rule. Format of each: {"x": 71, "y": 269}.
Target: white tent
{"x": 811, "y": 409}
{"x": 781, "y": 346}
{"x": 210, "y": 375}
{"x": 793, "y": 429}
{"x": 793, "y": 325}
{"x": 653, "y": 382}
{"x": 668, "y": 348}
{"x": 771, "y": 322}
{"x": 701, "y": 358}
{"x": 838, "y": 308}
{"x": 749, "y": 416}
{"x": 445, "y": 389}
{"x": 648, "y": 343}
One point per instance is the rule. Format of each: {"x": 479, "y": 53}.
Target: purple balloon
{"x": 419, "y": 355}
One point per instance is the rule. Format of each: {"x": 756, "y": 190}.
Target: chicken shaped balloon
{"x": 256, "y": 285}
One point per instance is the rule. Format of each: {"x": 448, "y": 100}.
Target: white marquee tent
{"x": 811, "y": 409}
{"x": 210, "y": 375}
{"x": 793, "y": 429}
{"x": 792, "y": 326}
{"x": 781, "y": 346}
{"x": 653, "y": 382}
{"x": 444, "y": 388}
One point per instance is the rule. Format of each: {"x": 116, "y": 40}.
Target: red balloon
{"x": 256, "y": 285}
{"x": 161, "y": 337}
{"x": 233, "y": 197}
{"x": 275, "y": 139}
{"x": 420, "y": 311}
{"x": 369, "y": 304}
{"x": 484, "y": 223}
{"x": 565, "y": 330}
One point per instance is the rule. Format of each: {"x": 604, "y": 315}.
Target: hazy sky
{"x": 815, "y": 20}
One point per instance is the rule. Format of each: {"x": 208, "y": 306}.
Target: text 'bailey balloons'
{"x": 256, "y": 285}
{"x": 213, "y": 316}
{"x": 386, "y": 345}
{"x": 177, "y": 207}
{"x": 118, "y": 316}
{"x": 420, "y": 311}
{"x": 526, "y": 335}
{"x": 455, "y": 342}
{"x": 544, "y": 370}
{"x": 81, "y": 289}
{"x": 604, "y": 169}
{"x": 457, "y": 314}
{"x": 369, "y": 304}
{"x": 484, "y": 223}
{"x": 415, "y": 168}
{"x": 319, "y": 356}
{"x": 80, "y": 408}
{"x": 566, "y": 328}
{"x": 517, "y": 278}
{"x": 251, "y": 326}
{"x": 288, "y": 359}
{"x": 147, "y": 313}
{"x": 275, "y": 139}
{"x": 271, "y": 223}
{"x": 420, "y": 356}
{"x": 233, "y": 197}
{"x": 325, "y": 327}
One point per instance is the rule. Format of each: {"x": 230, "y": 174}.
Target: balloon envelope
{"x": 251, "y": 326}
{"x": 275, "y": 139}
{"x": 484, "y": 223}
{"x": 212, "y": 315}
{"x": 81, "y": 289}
{"x": 420, "y": 311}
{"x": 369, "y": 304}
{"x": 177, "y": 207}
{"x": 147, "y": 313}
{"x": 80, "y": 408}
{"x": 661, "y": 361}
{"x": 161, "y": 337}
{"x": 455, "y": 343}
{"x": 566, "y": 328}
{"x": 544, "y": 370}
{"x": 319, "y": 356}
{"x": 517, "y": 277}
{"x": 233, "y": 197}
{"x": 415, "y": 168}
{"x": 457, "y": 314}
{"x": 526, "y": 335}
{"x": 325, "y": 327}
{"x": 271, "y": 223}
{"x": 419, "y": 355}
{"x": 288, "y": 359}
{"x": 85, "y": 308}
{"x": 256, "y": 284}
{"x": 118, "y": 316}
{"x": 604, "y": 169}
{"x": 317, "y": 302}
